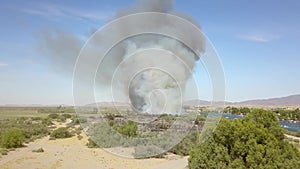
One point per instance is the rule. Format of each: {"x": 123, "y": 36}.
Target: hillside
{"x": 290, "y": 101}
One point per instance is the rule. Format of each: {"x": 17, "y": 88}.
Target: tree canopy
{"x": 256, "y": 141}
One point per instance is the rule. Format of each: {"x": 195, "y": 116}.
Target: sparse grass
{"x": 16, "y": 112}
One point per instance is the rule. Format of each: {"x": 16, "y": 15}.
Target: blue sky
{"x": 257, "y": 41}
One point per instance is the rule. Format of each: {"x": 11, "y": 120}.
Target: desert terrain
{"x": 73, "y": 153}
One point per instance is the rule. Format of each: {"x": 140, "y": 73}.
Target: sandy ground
{"x": 293, "y": 137}
{"x": 72, "y": 153}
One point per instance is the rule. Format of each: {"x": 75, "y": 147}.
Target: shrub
{"x": 67, "y": 116}
{"x": 52, "y": 138}
{"x": 61, "y": 118}
{"x": 53, "y": 116}
{"x": 30, "y": 129}
{"x": 78, "y": 130}
{"x": 79, "y": 137}
{"x": 76, "y": 121}
{"x": 91, "y": 144}
{"x": 105, "y": 136}
{"x": 129, "y": 129}
{"x": 47, "y": 121}
{"x": 4, "y": 152}
{"x": 186, "y": 145}
{"x": 40, "y": 150}
{"x": 61, "y": 132}
{"x": 12, "y": 138}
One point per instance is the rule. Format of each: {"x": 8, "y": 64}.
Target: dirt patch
{"x": 73, "y": 153}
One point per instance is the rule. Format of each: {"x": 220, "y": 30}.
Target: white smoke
{"x": 161, "y": 67}
{"x": 149, "y": 71}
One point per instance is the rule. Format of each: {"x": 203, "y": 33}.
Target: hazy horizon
{"x": 72, "y": 104}
{"x": 256, "y": 41}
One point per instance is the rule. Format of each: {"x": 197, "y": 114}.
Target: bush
{"x": 76, "y": 121}
{"x": 40, "y": 150}
{"x": 4, "y": 152}
{"x": 12, "y": 138}
{"x": 30, "y": 129}
{"x": 186, "y": 145}
{"x": 91, "y": 144}
{"x": 61, "y": 118}
{"x": 67, "y": 116}
{"x": 52, "y": 138}
{"x": 61, "y": 132}
{"x": 78, "y": 130}
{"x": 53, "y": 116}
{"x": 47, "y": 121}
{"x": 128, "y": 129}
{"x": 79, "y": 137}
{"x": 104, "y": 135}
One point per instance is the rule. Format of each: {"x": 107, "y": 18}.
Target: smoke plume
{"x": 149, "y": 71}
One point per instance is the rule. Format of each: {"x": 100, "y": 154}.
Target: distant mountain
{"x": 292, "y": 101}
{"x": 289, "y": 101}
{"x": 196, "y": 102}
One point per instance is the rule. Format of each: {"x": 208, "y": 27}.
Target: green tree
{"x": 232, "y": 110}
{"x": 253, "y": 142}
{"x": 235, "y": 110}
{"x": 12, "y": 138}
{"x": 245, "y": 110}
{"x": 186, "y": 145}
{"x": 268, "y": 120}
{"x": 209, "y": 155}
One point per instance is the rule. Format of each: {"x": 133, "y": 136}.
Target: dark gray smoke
{"x": 61, "y": 47}
{"x": 163, "y": 6}
{"x": 161, "y": 65}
